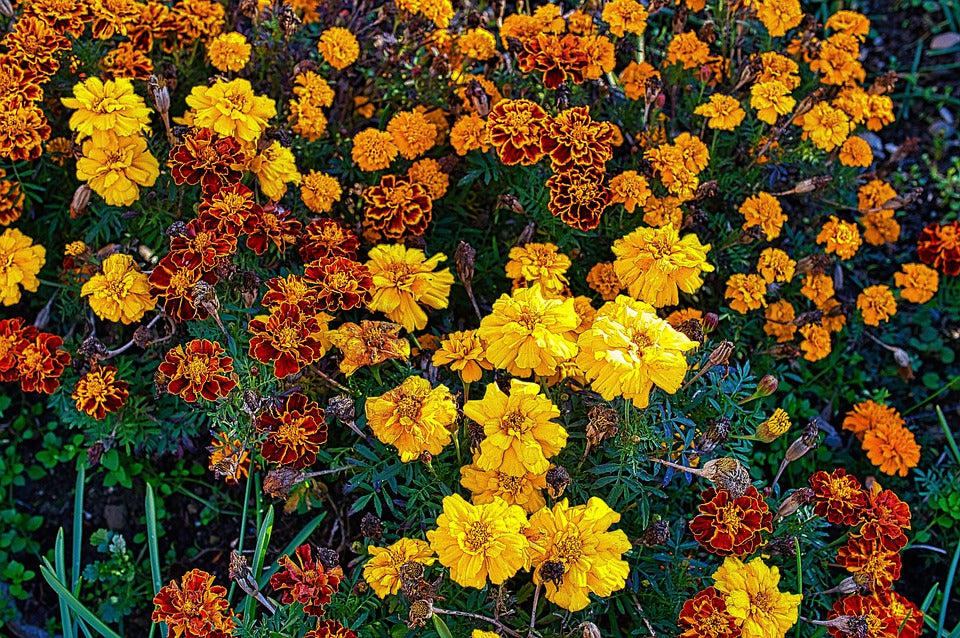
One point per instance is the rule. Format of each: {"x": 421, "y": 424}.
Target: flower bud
{"x": 774, "y": 427}
{"x": 557, "y": 481}
{"x": 657, "y": 533}
{"x": 371, "y": 527}
{"x": 81, "y": 197}
{"x": 786, "y": 547}
{"x": 590, "y": 630}
{"x": 716, "y": 434}
{"x": 795, "y": 501}
{"x": 767, "y": 385}
{"x": 278, "y": 483}
{"x": 710, "y": 322}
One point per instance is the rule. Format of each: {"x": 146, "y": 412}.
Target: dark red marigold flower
{"x": 340, "y": 283}
{"x": 578, "y": 198}
{"x": 939, "y": 247}
{"x": 289, "y": 338}
{"x": 731, "y": 527}
{"x": 198, "y": 368}
{"x": 12, "y": 334}
{"x": 838, "y": 497}
{"x": 202, "y": 245}
{"x": 575, "y": 141}
{"x": 397, "y": 207}
{"x": 885, "y": 519}
{"x": 40, "y": 362}
{"x": 907, "y": 616}
{"x": 874, "y": 614}
{"x": 292, "y": 289}
{"x": 330, "y": 628}
{"x": 271, "y": 224}
{"x": 174, "y": 284}
{"x": 195, "y": 609}
{"x": 559, "y": 58}
{"x": 205, "y": 158}
{"x": 294, "y": 432}
{"x": 516, "y": 129}
{"x": 100, "y": 392}
{"x": 306, "y": 581}
{"x": 705, "y": 616}
{"x": 327, "y": 238}
{"x": 873, "y": 566}
{"x": 231, "y": 206}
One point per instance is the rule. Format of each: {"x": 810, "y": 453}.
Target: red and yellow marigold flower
{"x": 414, "y": 417}
{"x": 100, "y": 392}
{"x": 174, "y": 284}
{"x": 202, "y": 244}
{"x": 578, "y": 197}
{"x": 515, "y": 128}
{"x": 206, "y": 158}
{"x": 327, "y": 238}
{"x": 729, "y": 526}
{"x": 870, "y": 611}
{"x": 294, "y": 431}
{"x": 397, "y": 207}
{"x": 705, "y": 616}
{"x": 838, "y": 497}
{"x": 198, "y": 369}
{"x": 40, "y": 361}
{"x": 306, "y": 581}
{"x": 289, "y": 338}
{"x": 339, "y": 283}
{"x": 939, "y": 247}
{"x": 573, "y": 140}
{"x": 872, "y": 564}
{"x": 194, "y": 608}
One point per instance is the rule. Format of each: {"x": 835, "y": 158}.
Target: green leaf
{"x": 441, "y": 627}
{"x": 75, "y": 605}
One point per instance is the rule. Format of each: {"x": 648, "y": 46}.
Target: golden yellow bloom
{"x": 477, "y": 542}
{"x": 478, "y": 44}
{"x": 574, "y": 553}
{"x": 655, "y": 263}
{"x": 404, "y": 281}
{"x": 114, "y": 167}
{"x": 774, "y": 427}
{"x": 763, "y": 210}
{"x": 826, "y": 126}
{"x": 373, "y": 150}
{"x": 464, "y": 353}
{"x": 275, "y": 167}
{"x": 231, "y": 108}
{"x": 758, "y": 607}
{"x": 628, "y": 349}
{"x": 429, "y": 174}
{"x": 877, "y": 304}
{"x": 663, "y": 211}
{"x": 525, "y": 490}
{"x": 630, "y": 189}
{"x": 437, "y": 11}
{"x": 469, "y": 133}
{"x": 625, "y": 16}
{"x": 539, "y": 264}
{"x": 840, "y": 237}
{"x": 780, "y": 68}
{"x": 120, "y": 292}
{"x": 382, "y": 571}
{"x": 75, "y": 249}
{"x": 527, "y": 333}
{"x": 107, "y": 106}
{"x": 776, "y": 265}
{"x": 746, "y": 292}
{"x": 856, "y": 152}
{"x": 688, "y": 50}
{"x": 412, "y": 132}
{"x": 634, "y": 79}
{"x": 520, "y": 428}
{"x": 339, "y": 47}
{"x": 771, "y": 99}
{"x": 917, "y": 283}
{"x": 368, "y": 343}
{"x": 319, "y": 192}
{"x": 816, "y": 342}
{"x": 229, "y": 51}
{"x": 779, "y": 16}
{"x": 603, "y": 279}
{"x": 817, "y": 288}
{"x": 724, "y": 112}
{"x": 779, "y": 320}
{"x": 413, "y": 417}
{"x": 678, "y": 317}
{"x": 20, "y": 261}
{"x": 479, "y": 633}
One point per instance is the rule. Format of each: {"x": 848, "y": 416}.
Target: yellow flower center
{"x": 287, "y": 338}
{"x": 583, "y": 192}
{"x": 181, "y": 281}
{"x": 641, "y": 340}
{"x": 528, "y": 318}
{"x": 730, "y": 519}
{"x": 197, "y": 369}
{"x": 716, "y": 624}
{"x": 95, "y": 386}
{"x": 760, "y": 602}
{"x": 31, "y": 358}
{"x": 201, "y": 241}
{"x": 477, "y": 537}
{"x": 569, "y": 549}
{"x": 509, "y": 484}
{"x": 515, "y": 424}
{"x": 292, "y": 433}
{"x": 408, "y": 408}
{"x": 115, "y": 289}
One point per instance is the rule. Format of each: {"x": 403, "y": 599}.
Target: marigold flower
{"x": 231, "y": 109}
{"x": 414, "y": 417}
{"x": 879, "y": 223}
{"x": 773, "y": 427}
{"x": 175, "y": 285}
{"x": 779, "y": 68}
{"x": 107, "y": 106}
{"x": 13, "y": 333}
{"x": 560, "y": 58}
{"x": 480, "y": 542}
{"x": 125, "y": 61}
{"x": 368, "y": 343}
{"x": 573, "y": 140}
{"x": 525, "y": 490}
{"x": 578, "y": 197}
{"x": 855, "y": 151}
{"x": 687, "y": 50}
{"x": 775, "y": 265}
{"x": 271, "y": 224}
{"x": 577, "y": 543}
{"x": 202, "y": 244}
{"x": 205, "y": 158}
{"x": 625, "y": 16}
{"x": 763, "y": 210}
{"x": 603, "y": 279}
{"x": 229, "y": 51}
{"x": 771, "y": 99}
{"x": 397, "y": 207}
{"x": 11, "y": 201}
{"x": 885, "y": 518}
{"x": 757, "y": 606}
{"x": 917, "y": 283}
{"x": 870, "y": 562}
{"x": 723, "y": 111}
{"x": 339, "y": 283}
{"x": 20, "y": 261}
{"x": 229, "y": 459}
{"x": 196, "y": 608}
{"x": 413, "y": 134}
{"x": 907, "y": 617}
{"x": 120, "y": 292}
{"x": 382, "y": 571}
{"x": 527, "y": 333}
{"x": 327, "y": 238}
{"x": 939, "y": 247}
{"x": 869, "y": 414}
{"x": 876, "y": 617}
{"x": 634, "y": 79}
{"x": 295, "y": 430}
{"x": 891, "y": 448}
{"x": 541, "y": 264}
{"x": 838, "y": 497}
{"x": 630, "y": 189}
{"x": 663, "y": 211}
{"x": 705, "y": 616}
{"x": 275, "y": 167}
{"x": 628, "y": 349}
{"x": 289, "y": 338}
{"x": 405, "y": 280}
{"x": 679, "y": 317}
{"x": 292, "y": 289}
{"x": 469, "y": 132}
{"x": 115, "y": 166}
{"x": 778, "y": 16}
{"x": 330, "y": 628}
{"x": 837, "y": 60}
{"x": 373, "y": 150}
{"x": 729, "y": 526}
{"x": 99, "y": 392}
{"x": 306, "y": 581}
{"x": 465, "y": 353}
{"x": 338, "y": 47}
{"x": 816, "y": 342}
{"x": 826, "y": 126}
{"x": 877, "y": 304}
{"x": 198, "y": 368}
{"x": 840, "y": 237}
{"x": 654, "y": 263}
{"x": 515, "y": 128}
{"x": 818, "y": 288}
{"x": 40, "y": 361}
{"x": 429, "y": 174}
{"x": 779, "y": 320}
{"x": 746, "y": 292}
{"x": 478, "y": 44}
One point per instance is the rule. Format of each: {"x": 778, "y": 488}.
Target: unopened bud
{"x": 710, "y": 322}
{"x": 656, "y": 534}
{"x": 767, "y": 385}
{"x": 716, "y": 434}
{"x": 806, "y": 442}
{"x": 6, "y": 8}
{"x": 159, "y": 93}
{"x": 795, "y": 501}
{"x": 81, "y": 197}
{"x": 590, "y": 630}
{"x": 278, "y": 483}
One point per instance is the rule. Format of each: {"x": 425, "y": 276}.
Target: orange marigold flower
{"x": 308, "y": 581}
{"x": 99, "y": 392}
{"x": 746, "y": 292}
{"x": 40, "y": 361}
{"x": 849, "y": 22}
{"x": 578, "y": 197}
{"x": 413, "y": 134}
{"x": 771, "y": 99}
{"x": 23, "y": 128}
{"x": 869, "y": 414}
{"x": 687, "y": 50}
{"x": 663, "y": 211}
{"x": 679, "y": 317}
{"x": 706, "y": 616}
{"x": 877, "y": 304}
{"x": 559, "y": 58}
{"x": 817, "y": 288}
{"x": 289, "y": 338}
{"x": 833, "y": 318}
{"x": 368, "y": 343}
{"x": 656, "y": 263}
{"x": 229, "y": 459}
{"x": 826, "y": 126}
{"x": 907, "y": 617}
{"x": 340, "y": 283}
{"x": 870, "y": 562}
{"x": 939, "y": 246}
{"x": 837, "y": 60}
{"x": 229, "y": 51}
{"x": 175, "y": 285}
{"x": 630, "y": 189}
{"x": 327, "y": 238}
{"x": 723, "y": 111}
{"x": 879, "y": 223}
{"x": 542, "y": 264}
{"x": 841, "y": 238}
{"x": 13, "y": 333}
{"x": 429, "y": 174}
{"x": 338, "y": 47}
{"x": 776, "y": 265}
{"x": 635, "y": 77}
{"x": 575, "y": 141}
{"x": 397, "y": 207}
{"x": 729, "y": 526}
{"x": 917, "y": 282}
{"x": 478, "y": 44}
{"x": 816, "y": 342}
{"x": 198, "y": 368}
{"x": 603, "y": 279}
{"x": 780, "y": 68}
{"x": 856, "y": 152}
{"x": 319, "y": 192}
{"x": 893, "y": 449}
{"x": 779, "y": 16}
{"x": 763, "y": 210}
{"x": 373, "y": 150}
{"x": 625, "y": 16}
{"x": 469, "y": 133}
{"x": 779, "y": 320}
{"x": 515, "y": 129}
{"x": 294, "y": 430}
{"x": 874, "y": 615}
{"x": 414, "y": 417}
{"x": 838, "y": 497}
{"x": 465, "y": 353}
{"x": 196, "y": 608}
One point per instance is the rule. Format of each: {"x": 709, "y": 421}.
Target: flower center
{"x": 95, "y": 386}
{"x": 197, "y": 369}
{"x": 291, "y": 433}
{"x": 515, "y": 423}
{"x": 570, "y": 549}
{"x": 408, "y": 408}
{"x": 477, "y": 537}
{"x": 287, "y": 338}
{"x": 730, "y": 519}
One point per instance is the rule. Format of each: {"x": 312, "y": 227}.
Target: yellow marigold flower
{"x": 625, "y": 16}
{"x": 891, "y": 448}
{"x": 20, "y": 261}
{"x": 480, "y": 542}
{"x": 856, "y": 152}
{"x": 816, "y": 342}
{"x": 231, "y": 108}
{"x": 779, "y": 68}
{"x": 575, "y": 554}
{"x": 312, "y": 87}
{"x": 771, "y": 99}
{"x": 77, "y": 248}
{"x": 275, "y": 167}
{"x": 628, "y": 349}
{"x": 107, "y": 106}
{"x": 603, "y": 279}
{"x": 779, "y": 321}
{"x": 877, "y": 304}
{"x": 382, "y": 571}
{"x": 663, "y": 211}
{"x": 373, "y": 150}
{"x": 437, "y": 11}
{"x": 773, "y": 427}
{"x": 319, "y": 192}
{"x": 746, "y": 292}
{"x": 478, "y": 44}
{"x": 688, "y": 50}
{"x": 655, "y": 263}
{"x": 308, "y": 119}
{"x": 917, "y": 283}
{"x": 520, "y": 428}
{"x": 753, "y": 599}
{"x": 586, "y": 313}
{"x": 413, "y": 417}
{"x": 527, "y": 333}
{"x": 338, "y": 47}
{"x": 779, "y": 16}
{"x": 464, "y": 353}
{"x": 849, "y": 22}
{"x": 826, "y": 126}
{"x": 525, "y": 490}
{"x": 776, "y": 265}
{"x": 412, "y": 133}
{"x": 634, "y": 79}
{"x": 763, "y": 210}
{"x": 368, "y": 343}
{"x": 539, "y": 264}
{"x": 678, "y": 317}
{"x": 404, "y": 281}
{"x": 114, "y": 167}
{"x": 868, "y": 415}
{"x": 429, "y": 174}
{"x": 229, "y": 51}
{"x": 120, "y": 292}
{"x": 840, "y": 237}
{"x": 469, "y": 133}
{"x": 724, "y": 112}
{"x": 817, "y": 288}
{"x": 630, "y": 189}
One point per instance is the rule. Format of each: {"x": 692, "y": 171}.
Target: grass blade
{"x": 259, "y": 556}
{"x": 947, "y": 589}
{"x": 150, "y": 506}
{"x": 292, "y": 545}
{"x": 77, "y": 539}
{"x": 61, "y": 564}
{"x": 75, "y": 605}
{"x": 951, "y": 442}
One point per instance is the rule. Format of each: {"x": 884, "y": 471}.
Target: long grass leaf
{"x": 75, "y": 605}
